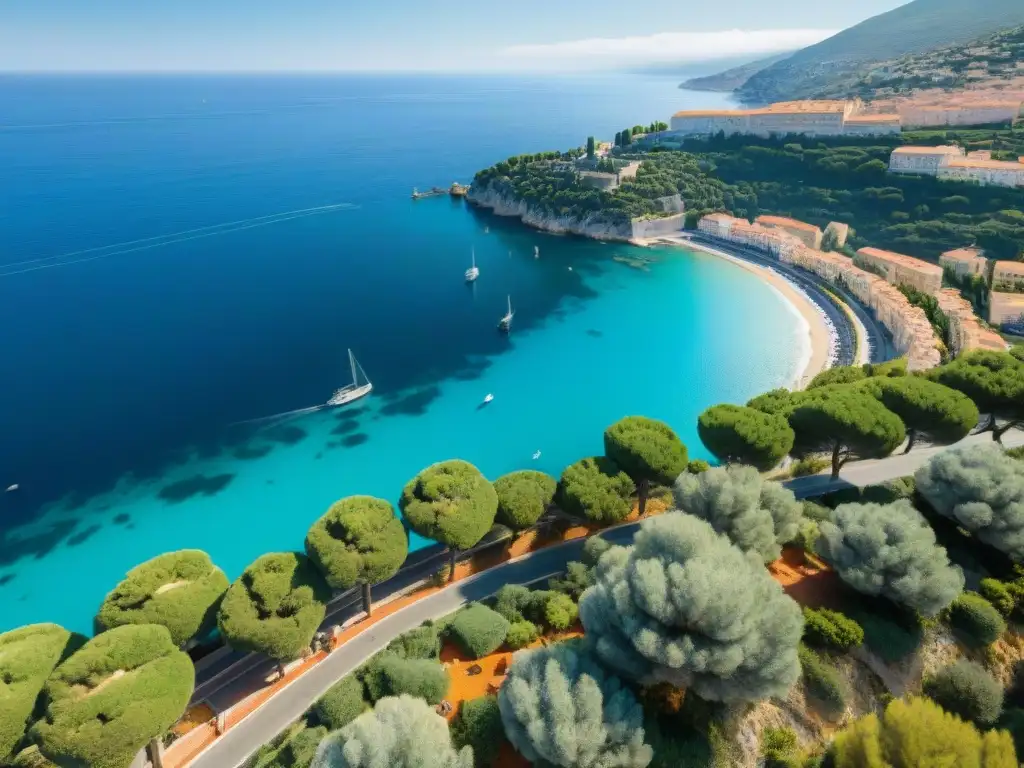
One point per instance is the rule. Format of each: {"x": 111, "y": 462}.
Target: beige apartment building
{"x": 811, "y": 118}
{"x": 1005, "y": 308}
{"x": 1007, "y": 274}
{"x": 953, "y": 164}
{"x": 923, "y": 160}
{"x": 966, "y": 332}
{"x": 977, "y": 113}
{"x": 808, "y": 234}
{"x": 900, "y": 269}
{"x": 741, "y": 232}
{"x": 964, "y": 262}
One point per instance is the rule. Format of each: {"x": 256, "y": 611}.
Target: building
{"x": 922, "y": 160}
{"x": 964, "y": 262}
{"x": 1008, "y": 276}
{"x": 997, "y": 173}
{"x": 808, "y": 234}
{"x": 977, "y": 113}
{"x": 899, "y": 269}
{"x": 608, "y": 182}
{"x": 966, "y": 333}
{"x": 839, "y": 233}
{"x": 772, "y": 240}
{"x": 1006, "y": 311}
{"x": 811, "y": 118}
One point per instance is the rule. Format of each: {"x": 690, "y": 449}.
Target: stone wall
{"x": 648, "y": 228}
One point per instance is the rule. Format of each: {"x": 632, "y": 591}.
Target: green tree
{"x": 928, "y": 410}
{"x": 684, "y": 606}
{"x": 734, "y": 433}
{"x": 618, "y": 139}
{"x": 646, "y": 450}
{"x": 627, "y": 137}
{"x": 840, "y": 374}
{"x": 994, "y": 381}
{"x": 118, "y": 692}
{"x": 966, "y": 689}
{"x": 478, "y": 725}
{"x": 596, "y": 489}
{"x": 890, "y": 550}
{"x": 560, "y": 708}
{"x": 27, "y": 657}
{"x": 523, "y": 497}
{"x": 400, "y": 731}
{"x": 918, "y": 732}
{"x": 178, "y": 590}
{"x": 342, "y": 703}
{"x": 844, "y": 423}
{"x": 275, "y": 606}
{"x": 757, "y": 516}
{"x": 591, "y": 147}
{"x": 451, "y": 503}
{"x": 359, "y": 540}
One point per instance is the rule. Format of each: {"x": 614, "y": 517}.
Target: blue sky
{"x": 470, "y": 35}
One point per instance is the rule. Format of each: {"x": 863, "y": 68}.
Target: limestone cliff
{"x": 596, "y": 226}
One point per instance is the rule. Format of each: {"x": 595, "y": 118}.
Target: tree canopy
{"x": 523, "y": 497}
{"x": 917, "y": 732}
{"x": 399, "y": 732}
{"x": 596, "y": 489}
{"x": 890, "y": 550}
{"x": 450, "y": 502}
{"x": 840, "y": 374}
{"x": 648, "y": 451}
{"x": 121, "y": 689}
{"x": 560, "y": 708}
{"x": 993, "y": 380}
{"x": 27, "y": 657}
{"x": 756, "y": 515}
{"x": 935, "y": 412}
{"x": 178, "y": 590}
{"x": 734, "y": 433}
{"x": 275, "y": 606}
{"x": 982, "y": 489}
{"x": 682, "y": 605}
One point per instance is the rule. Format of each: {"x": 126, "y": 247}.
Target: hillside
{"x": 917, "y": 27}
{"x": 734, "y": 78}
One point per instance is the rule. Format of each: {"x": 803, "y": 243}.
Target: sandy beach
{"x": 816, "y": 355}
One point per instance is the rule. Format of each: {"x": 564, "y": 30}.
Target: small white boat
{"x": 487, "y": 230}
{"x": 474, "y": 271}
{"x": 355, "y": 390}
{"x": 570, "y": 269}
{"x": 505, "y": 324}
{"x": 536, "y": 455}
{"x": 12, "y": 488}
{"x": 488, "y": 399}
{"x": 536, "y": 251}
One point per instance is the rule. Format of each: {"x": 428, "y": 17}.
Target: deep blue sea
{"x": 181, "y": 253}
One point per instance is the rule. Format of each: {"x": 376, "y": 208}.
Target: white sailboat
{"x": 536, "y": 251}
{"x": 474, "y": 271}
{"x": 505, "y": 324}
{"x": 355, "y": 390}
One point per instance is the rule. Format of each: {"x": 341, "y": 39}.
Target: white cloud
{"x": 665, "y": 47}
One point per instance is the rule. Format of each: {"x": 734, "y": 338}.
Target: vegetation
{"x": 112, "y": 696}
{"x": 594, "y": 547}
{"x": 452, "y": 503}
{"x": 478, "y": 726}
{"x": 390, "y": 675}
{"x": 359, "y": 540}
{"x": 478, "y": 630}
{"x": 928, "y": 410}
{"x": 400, "y": 731}
{"x": 822, "y": 681}
{"x": 521, "y": 634}
{"x": 975, "y": 620}
{"x": 342, "y": 703}
{"x": 734, "y": 433}
{"x": 917, "y": 732}
{"x": 275, "y": 606}
{"x": 523, "y": 497}
{"x": 982, "y": 490}
{"x": 559, "y": 707}
{"x": 967, "y": 690}
{"x": 648, "y": 626}
{"x": 757, "y": 516}
{"x": 575, "y": 582}
{"x": 998, "y": 595}
{"x": 421, "y": 643}
{"x": 596, "y": 489}
{"x": 890, "y": 550}
{"x": 994, "y": 381}
{"x": 831, "y": 630}
{"x": 648, "y": 451}
{"x": 295, "y": 748}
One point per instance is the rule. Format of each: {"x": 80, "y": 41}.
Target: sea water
{"x": 167, "y": 276}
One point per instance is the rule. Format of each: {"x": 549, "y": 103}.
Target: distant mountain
{"x": 734, "y": 78}
{"x": 912, "y": 28}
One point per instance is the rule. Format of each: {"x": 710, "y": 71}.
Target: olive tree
{"x": 399, "y": 732}
{"x": 451, "y": 503}
{"x": 359, "y": 540}
{"x": 890, "y": 550}
{"x": 559, "y": 707}
{"x": 646, "y": 450}
{"x": 178, "y": 590}
{"x": 27, "y": 657}
{"x": 523, "y": 497}
{"x": 734, "y": 433}
{"x": 596, "y": 489}
{"x": 756, "y": 515}
{"x": 121, "y": 690}
{"x": 928, "y": 410}
{"x": 682, "y": 605}
{"x": 994, "y": 381}
{"x": 982, "y": 489}
{"x": 275, "y": 606}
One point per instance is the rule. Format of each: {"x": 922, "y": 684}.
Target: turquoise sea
{"x": 206, "y": 291}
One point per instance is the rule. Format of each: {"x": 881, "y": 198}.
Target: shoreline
{"x": 818, "y": 340}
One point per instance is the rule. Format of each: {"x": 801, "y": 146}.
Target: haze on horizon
{"x": 405, "y": 35}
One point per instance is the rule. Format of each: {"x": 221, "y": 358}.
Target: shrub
{"x": 816, "y": 512}
{"x": 594, "y": 547}
{"x": 822, "y": 681}
{"x": 696, "y": 466}
{"x": 478, "y": 725}
{"x": 513, "y": 601}
{"x": 975, "y": 620}
{"x": 778, "y": 747}
{"x": 342, "y": 703}
{"x": 523, "y": 497}
{"x": 420, "y": 643}
{"x": 966, "y": 689}
{"x": 1012, "y": 721}
{"x": 809, "y": 465}
{"x": 575, "y": 582}
{"x": 560, "y": 612}
{"x": 999, "y": 595}
{"x": 521, "y": 634}
{"x": 887, "y": 638}
{"x": 294, "y": 748}
{"x": 597, "y": 490}
{"x": 478, "y": 630}
{"x": 388, "y": 675}
{"x": 831, "y": 629}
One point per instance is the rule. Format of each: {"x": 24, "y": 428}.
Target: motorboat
{"x": 474, "y": 271}
{"x": 488, "y": 399}
{"x": 536, "y": 251}
{"x": 536, "y": 455}
{"x": 12, "y": 488}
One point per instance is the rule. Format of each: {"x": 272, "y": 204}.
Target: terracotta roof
{"x": 782, "y": 221}
{"x": 945, "y": 149}
{"x": 807, "y": 106}
{"x": 714, "y": 113}
{"x": 900, "y": 258}
{"x": 963, "y": 254}
{"x": 1011, "y": 267}
{"x": 996, "y": 165}
{"x": 951, "y": 107}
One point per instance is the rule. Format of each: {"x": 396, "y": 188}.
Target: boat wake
{"x": 159, "y": 241}
{"x": 275, "y": 418}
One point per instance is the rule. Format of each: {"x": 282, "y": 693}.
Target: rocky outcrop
{"x": 595, "y": 226}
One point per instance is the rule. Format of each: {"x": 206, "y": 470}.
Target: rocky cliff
{"x": 595, "y": 226}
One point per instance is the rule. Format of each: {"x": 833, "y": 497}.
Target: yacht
{"x": 352, "y": 392}
{"x": 474, "y": 271}
{"x": 505, "y": 324}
